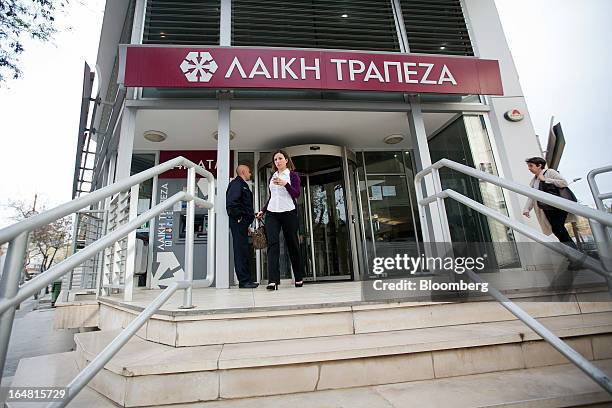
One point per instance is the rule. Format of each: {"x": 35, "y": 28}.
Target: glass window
{"x": 437, "y": 28}
{"x": 384, "y": 162}
{"x": 189, "y": 22}
{"x": 142, "y": 162}
{"x": 342, "y": 24}
{"x": 386, "y": 194}
{"x": 391, "y": 211}
{"x": 247, "y": 158}
{"x": 185, "y": 93}
{"x": 466, "y": 141}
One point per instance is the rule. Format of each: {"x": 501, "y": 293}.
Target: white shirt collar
{"x": 286, "y": 171}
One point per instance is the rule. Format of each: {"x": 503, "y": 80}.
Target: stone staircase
{"x": 362, "y": 354}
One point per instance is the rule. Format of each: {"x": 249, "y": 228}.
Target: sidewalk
{"x": 33, "y": 335}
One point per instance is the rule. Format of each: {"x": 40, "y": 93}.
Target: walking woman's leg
{"x": 273, "y": 227}
{"x": 556, "y": 218}
{"x": 290, "y": 225}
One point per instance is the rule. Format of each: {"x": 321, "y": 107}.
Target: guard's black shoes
{"x": 250, "y": 285}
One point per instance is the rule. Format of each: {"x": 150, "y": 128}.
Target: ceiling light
{"x": 216, "y": 135}
{"x": 344, "y": 16}
{"x": 442, "y": 47}
{"x": 155, "y": 136}
{"x": 394, "y": 139}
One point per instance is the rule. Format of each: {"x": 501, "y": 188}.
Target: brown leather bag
{"x": 259, "y": 236}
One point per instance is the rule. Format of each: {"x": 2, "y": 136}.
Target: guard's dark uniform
{"x": 239, "y": 205}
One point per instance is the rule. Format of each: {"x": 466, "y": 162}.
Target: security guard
{"x": 239, "y": 205}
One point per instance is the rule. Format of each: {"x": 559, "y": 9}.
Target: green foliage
{"x": 20, "y": 19}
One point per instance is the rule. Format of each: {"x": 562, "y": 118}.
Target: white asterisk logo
{"x": 203, "y": 67}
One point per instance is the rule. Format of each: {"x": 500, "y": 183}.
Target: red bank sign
{"x": 273, "y": 68}
{"x": 204, "y": 158}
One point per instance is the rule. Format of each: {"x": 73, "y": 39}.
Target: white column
{"x": 423, "y": 159}
{"x": 225, "y": 26}
{"x": 126, "y": 144}
{"x": 222, "y": 236}
{"x": 222, "y": 269}
{"x": 123, "y": 167}
{"x": 137, "y": 31}
{"x": 138, "y": 24}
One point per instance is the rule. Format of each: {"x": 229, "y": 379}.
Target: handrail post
{"x": 130, "y": 256}
{"x": 101, "y": 256}
{"x": 70, "y": 276}
{"x": 9, "y": 286}
{"x": 444, "y": 248}
{"x": 601, "y": 233}
{"x": 210, "y": 233}
{"x": 604, "y": 247}
{"x": 189, "y": 240}
{"x": 441, "y": 206}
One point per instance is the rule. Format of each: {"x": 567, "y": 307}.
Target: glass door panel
{"x": 393, "y": 226}
{"x": 330, "y": 234}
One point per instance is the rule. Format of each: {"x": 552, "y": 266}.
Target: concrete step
{"x": 262, "y": 368}
{"x": 208, "y": 327}
{"x": 54, "y": 370}
{"x": 543, "y": 387}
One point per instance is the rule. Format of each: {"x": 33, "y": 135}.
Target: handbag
{"x": 259, "y": 236}
{"x": 550, "y": 188}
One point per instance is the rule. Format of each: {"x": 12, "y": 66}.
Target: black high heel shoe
{"x": 272, "y": 286}
{"x": 299, "y": 284}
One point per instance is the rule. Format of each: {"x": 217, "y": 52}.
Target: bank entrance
{"x": 327, "y": 232}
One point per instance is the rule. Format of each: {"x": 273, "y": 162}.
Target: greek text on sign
{"x": 237, "y": 67}
{"x": 407, "y": 72}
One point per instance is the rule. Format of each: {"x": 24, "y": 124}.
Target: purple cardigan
{"x": 293, "y": 188}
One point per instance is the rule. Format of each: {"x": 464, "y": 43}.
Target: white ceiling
{"x": 264, "y": 130}
{"x": 186, "y": 129}
{"x": 273, "y": 129}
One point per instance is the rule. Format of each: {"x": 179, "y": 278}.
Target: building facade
{"x": 362, "y": 94}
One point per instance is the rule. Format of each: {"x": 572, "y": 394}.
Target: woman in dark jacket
{"x": 281, "y": 213}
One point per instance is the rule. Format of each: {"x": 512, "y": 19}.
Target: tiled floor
{"x": 243, "y": 299}
{"x": 329, "y": 294}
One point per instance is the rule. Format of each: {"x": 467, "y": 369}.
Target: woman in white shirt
{"x": 281, "y": 213}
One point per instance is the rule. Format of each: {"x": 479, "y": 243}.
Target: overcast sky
{"x": 561, "y": 49}
{"x": 562, "y": 52}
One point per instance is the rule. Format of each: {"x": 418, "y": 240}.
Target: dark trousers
{"x": 288, "y": 222}
{"x": 242, "y": 255}
{"x": 556, "y": 218}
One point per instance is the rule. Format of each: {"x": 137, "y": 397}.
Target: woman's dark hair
{"x": 538, "y": 161}
{"x": 290, "y": 164}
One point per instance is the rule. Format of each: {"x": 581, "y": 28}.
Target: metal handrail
{"x": 529, "y": 232}
{"x": 11, "y": 294}
{"x": 98, "y": 363}
{"x": 57, "y": 271}
{"x": 601, "y": 234}
{"x": 597, "y": 195}
{"x": 530, "y": 192}
{"x": 46, "y": 217}
{"x": 439, "y": 195}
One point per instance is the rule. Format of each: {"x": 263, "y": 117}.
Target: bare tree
{"x": 47, "y": 245}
